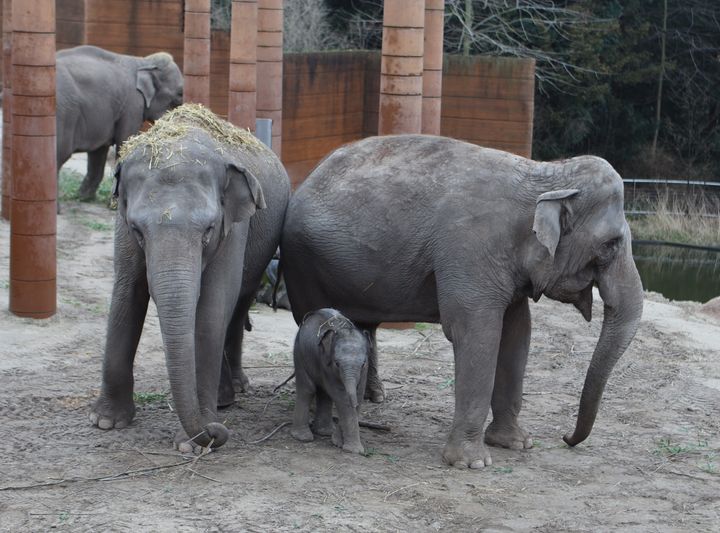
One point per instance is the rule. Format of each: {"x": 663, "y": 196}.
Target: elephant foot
{"x": 86, "y": 193}
{"x": 467, "y": 453}
{"x": 303, "y": 434}
{"x": 375, "y": 391}
{"x": 241, "y": 383}
{"x": 508, "y": 436}
{"x": 226, "y": 393}
{"x": 347, "y": 446}
{"x": 107, "y": 414}
{"x": 324, "y": 429}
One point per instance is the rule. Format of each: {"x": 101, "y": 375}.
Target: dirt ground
{"x": 652, "y": 462}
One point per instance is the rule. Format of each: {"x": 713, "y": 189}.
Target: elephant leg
{"x": 233, "y": 377}
{"x": 226, "y": 392}
{"x": 63, "y": 153}
{"x": 304, "y": 392}
{"x": 374, "y": 390}
{"x": 347, "y": 432}
{"x": 95, "y": 173}
{"x": 507, "y": 395}
{"x": 323, "y": 423}
{"x": 115, "y": 407}
{"x": 476, "y": 340}
{"x": 232, "y": 360}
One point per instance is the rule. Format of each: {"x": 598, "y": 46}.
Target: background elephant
{"x": 103, "y": 98}
{"x": 330, "y": 356}
{"x": 187, "y": 233}
{"x": 430, "y": 229}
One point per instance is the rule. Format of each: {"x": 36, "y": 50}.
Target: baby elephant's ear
{"x": 325, "y": 337}
{"x": 243, "y": 196}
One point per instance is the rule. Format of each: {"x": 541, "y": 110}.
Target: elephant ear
{"x": 549, "y": 217}
{"x": 243, "y": 196}
{"x": 326, "y": 336}
{"x": 114, "y": 203}
{"x": 145, "y": 83}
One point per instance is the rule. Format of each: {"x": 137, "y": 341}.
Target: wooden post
{"x": 242, "y": 96}
{"x": 432, "y": 66}
{"x": 196, "y": 52}
{"x": 270, "y": 67}
{"x": 7, "y": 112}
{"x": 33, "y": 224}
{"x": 401, "y": 70}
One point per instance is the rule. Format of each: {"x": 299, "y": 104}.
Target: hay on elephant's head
{"x": 160, "y": 142}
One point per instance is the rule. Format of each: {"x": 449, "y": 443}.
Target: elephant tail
{"x": 283, "y": 383}
{"x": 277, "y": 286}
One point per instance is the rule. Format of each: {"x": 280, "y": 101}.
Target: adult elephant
{"x": 200, "y": 210}
{"x": 103, "y": 98}
{"x": 423, "y": 228}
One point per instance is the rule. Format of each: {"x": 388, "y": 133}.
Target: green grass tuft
{"x": 145, "y": 398}
{"x": 69, "y": 184}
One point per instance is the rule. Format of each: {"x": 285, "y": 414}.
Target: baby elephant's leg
{"x": 347, "y": 433}
{"x": 304, "y": 392}
{"x": 323, "y": 423}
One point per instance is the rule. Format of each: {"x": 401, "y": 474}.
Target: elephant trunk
{"x": 622, "y": 293}
{"x": 350, "y": 381}
{"x": 175, "y": 287}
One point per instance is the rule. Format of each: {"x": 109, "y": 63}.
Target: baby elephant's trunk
{"x": 350, "y": 380}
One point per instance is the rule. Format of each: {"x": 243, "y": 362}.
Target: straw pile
{"x": 161, "y": 140}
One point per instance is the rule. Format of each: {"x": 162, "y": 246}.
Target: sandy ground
{"x": 652, "y": 462}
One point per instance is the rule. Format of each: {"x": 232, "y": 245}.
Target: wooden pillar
{"x": 270, "y": 67}
{"x": 34, "y": 193}
{"x": 242, "y": 96}
{"x": 432, "y": 66}
{"x": 7, "y": 112}
{"x": 196, "y": 52}
{"x": 401, "y": 70}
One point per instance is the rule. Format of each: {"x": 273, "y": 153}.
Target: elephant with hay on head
{"x": 200, "y": 210}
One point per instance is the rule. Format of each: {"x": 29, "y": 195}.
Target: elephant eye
{"x": 607, "y": 250}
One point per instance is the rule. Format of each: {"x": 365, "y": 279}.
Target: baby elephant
{"x": 331, "y": 359}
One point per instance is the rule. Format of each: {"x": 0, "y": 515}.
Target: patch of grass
{"x": 449, "y": 382}
{"x": 669, "y": 448}
{"x": 683, "y": 219}
{"x": 70, "y": 181}
{"x": 96, "y": 225}
{"x": 287, "y": 398}
{"x": 709, "y": 465}
{"x": 503, "y": 469}
{"x": 145, "y": 398}
{"x": 373, "y": 452}
{"x": 421, "y": 326}
{"x": 4, "y": 284}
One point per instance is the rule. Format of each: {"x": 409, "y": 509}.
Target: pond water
{"x": 679, "y": 274}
